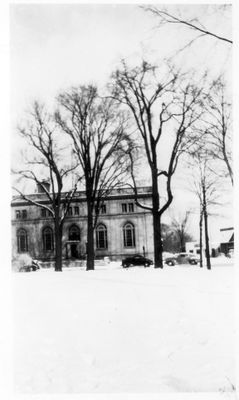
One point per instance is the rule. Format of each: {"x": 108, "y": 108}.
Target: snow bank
{"x": 114, "y": 330}
{"x": 21, "y": 261}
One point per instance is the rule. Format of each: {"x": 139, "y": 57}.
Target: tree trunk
{"x": 200, "y": 237}
{"x": 90, "y": 240}
{"x": 182, "y": 243}
{"x": 158, "y": 245}
{"x": 208, "y": 261}
{"x": 227, "y": 160}
{"x": 58, "y": 244}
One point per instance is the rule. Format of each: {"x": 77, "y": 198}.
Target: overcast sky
{"x": 54, "y": 46}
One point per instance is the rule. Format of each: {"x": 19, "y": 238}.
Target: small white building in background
{"x": 194, "y": 248}
{"x": 225, "y": 245}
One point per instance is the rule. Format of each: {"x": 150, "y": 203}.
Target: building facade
{"x": 227, "y": 240}
{"x": 123, "y": 228}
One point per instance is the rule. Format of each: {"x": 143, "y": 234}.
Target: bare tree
{"x": 173, "y": 238}
{"x": 206, "y": 188}
{"x": 98, "y": 132}
{"x": 195, "y": 24}
{"x": 169, "y": 107}
{"x": 46, "y": 158}
{"x": 200, "y": 229}
{"x": 180, "y": 227}
{"x": 218, "y": 125}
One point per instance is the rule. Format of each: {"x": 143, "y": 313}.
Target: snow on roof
{"x": 227, "y": 235}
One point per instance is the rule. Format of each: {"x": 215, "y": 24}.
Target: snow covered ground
{"x": 116, "y": 330}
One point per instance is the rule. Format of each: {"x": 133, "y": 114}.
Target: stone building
{"x": 123, "y": 228}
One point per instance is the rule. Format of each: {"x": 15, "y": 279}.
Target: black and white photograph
{"x": 122, "y": 200}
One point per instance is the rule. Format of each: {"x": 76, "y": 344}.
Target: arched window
{"x": 101, "y": 237}
{"x": 129, "y": 235}
{"x": 47, "y": 236}
{"x": 22, "y": 241}
{"x": 74, "y": 233}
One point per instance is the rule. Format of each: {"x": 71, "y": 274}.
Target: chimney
{"x": 46, "y": 185}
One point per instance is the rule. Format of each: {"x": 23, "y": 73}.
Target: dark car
{"x": 137, "y": 259}
{"x": 31, "y": 267}
{"x": 182, "y": 258}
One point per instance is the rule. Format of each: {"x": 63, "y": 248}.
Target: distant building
{"x": 227, "y": 240}
{"x": 123, "y": 228}
{"x": 194, "y": 248}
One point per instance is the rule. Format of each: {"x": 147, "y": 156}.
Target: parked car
{"x": 137, "y": 259}
{"x": 182, "y": 258}
{"x": 166, "y": 255}
{"x": 34, "y": 266}
{"x": 230, "y": 253}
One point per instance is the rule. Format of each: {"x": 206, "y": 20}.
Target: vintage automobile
{"x": 34, "y": 266}
{"x": 136, "y": 260}
{"x": 182, "y": 258}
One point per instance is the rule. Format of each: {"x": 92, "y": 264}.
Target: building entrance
{"x": 73, "y": 244}
{"x": 74, "y": 251}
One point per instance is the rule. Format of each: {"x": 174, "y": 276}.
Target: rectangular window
{"x": 102, "y": 244}
{"x": 24, "y": 214}
{"x": 43, "y": 212}
{"x": 18, "y": 214}
{"x": 76, "y": 210}
{"x": 101, "y": 238}
{"x": 129, "y": 235}
{"x": 124, "y": 207}
{"x": 128, "y": 241}
{"x": 22, "y": 242}
{"x": 103, "y": 208}
{"x": 47, "y": 239}
{"x": 127, "y": 207}
{"x": 70, "y": 211}
{"x": 48, "y": 243}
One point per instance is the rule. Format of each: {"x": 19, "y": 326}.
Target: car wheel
{"x": 170, "y": 263}
{"x": 125, "y": 266}
{"x": 193, "y": 262}
{"x": 146, "y": 265}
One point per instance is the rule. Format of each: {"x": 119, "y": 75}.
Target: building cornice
{"x": 143, "y": 192}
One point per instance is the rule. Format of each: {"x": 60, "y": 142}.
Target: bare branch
{"x": 166, "y": 17}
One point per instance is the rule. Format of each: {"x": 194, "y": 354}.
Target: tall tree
{"x": 45, "y": 158}
{"x": 166, "y": 106}
{"x": 173, "y": 237}
{"x": 180, "y": 228}
{"x": 205, "y": 184}
{"x": 218, "y": 124}
{"x": 98, "y": 132}
{"x": 200, "y": 230}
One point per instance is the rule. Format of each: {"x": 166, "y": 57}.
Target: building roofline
{"x": 80, "y": 196}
